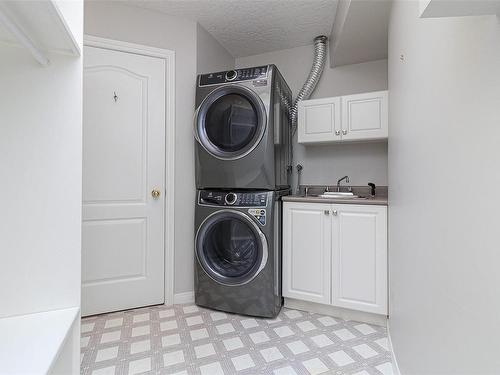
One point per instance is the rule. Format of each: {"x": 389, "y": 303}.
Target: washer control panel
{"x": 235, "y": 199}
{"x": 236, "y": 75}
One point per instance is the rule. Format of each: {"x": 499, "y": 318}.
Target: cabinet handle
{"x": 344, "y": 132}
{"x": 337, "y": 132}
{"x": 334, "y": 212}
{"x": 327, "y": 212}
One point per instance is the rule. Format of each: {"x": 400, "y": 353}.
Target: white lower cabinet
{"x": 307, "y": 252}
{"x": 336, "y": 254}
{"x": 359, "y": 258}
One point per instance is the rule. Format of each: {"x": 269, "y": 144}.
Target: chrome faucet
{"x": 346, "y": 178}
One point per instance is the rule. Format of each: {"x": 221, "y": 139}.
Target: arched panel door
{"x": 123, "y": 181}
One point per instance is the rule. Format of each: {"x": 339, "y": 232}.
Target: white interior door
{"x": 123, "y": 170}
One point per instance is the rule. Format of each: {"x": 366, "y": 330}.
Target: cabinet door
{"x": 365, "y": 116}
{"x": 319, "y": 120}
{"x": 307, "y": 251}
{"x": 359, "y": 264}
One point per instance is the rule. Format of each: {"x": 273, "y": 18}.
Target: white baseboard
{"x": 395, "y": 366}
{"x": 339, "y": 312}
{"x": 185, "y": 297}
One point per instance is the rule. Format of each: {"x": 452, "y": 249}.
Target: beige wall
{"x": 443, "y": 164}
{"x": 325, "y": 164}
{"x": 210, "y": 55}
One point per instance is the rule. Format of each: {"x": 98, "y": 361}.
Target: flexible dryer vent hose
{"x": 314, "y": 76}
{"x": 306, "y": 91}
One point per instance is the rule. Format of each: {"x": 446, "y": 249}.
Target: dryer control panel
{"x": 258, "y": 72}
{"x": 235, "y": 199}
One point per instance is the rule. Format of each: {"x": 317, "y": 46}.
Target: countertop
{"x": 380, "y": 197}
{"x": 381, "y": 201}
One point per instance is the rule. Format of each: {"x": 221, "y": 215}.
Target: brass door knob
{"x": 155, "y": 193}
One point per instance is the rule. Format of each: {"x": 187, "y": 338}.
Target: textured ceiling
{"x": 250, "y": 27}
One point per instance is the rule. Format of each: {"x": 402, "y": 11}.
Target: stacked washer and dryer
{"x": 243, "y": 151}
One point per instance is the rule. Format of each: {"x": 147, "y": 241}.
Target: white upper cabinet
{"x": 364, "y": 116}
{"x": 306, "y": 252}
{"x": 359, "y": 258}
{"x": 320, "y": 120}
{"x": 359, "y": 117}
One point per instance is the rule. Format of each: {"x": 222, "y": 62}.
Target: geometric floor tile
{"x": 341, "y": 358}
{"x": 188, "y": 340}
{"x": 365, "y": 351}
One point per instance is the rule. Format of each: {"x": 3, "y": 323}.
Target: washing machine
{"x": 242, "y": 129}
{"x": 238, "y": 251}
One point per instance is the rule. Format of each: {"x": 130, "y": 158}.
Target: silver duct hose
{"x": 313, "y": 79}
{"x": 304, "y": 93}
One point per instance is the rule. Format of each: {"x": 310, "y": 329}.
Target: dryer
{"x": 242, "y": 129}
{"x": 238, "y": 251}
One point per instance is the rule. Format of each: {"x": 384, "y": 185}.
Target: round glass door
{"x": 230, "y": 122}
{"x": 231, "y": 248}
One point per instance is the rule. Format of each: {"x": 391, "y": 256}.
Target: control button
{"x": 262, "y": 212}
{"x": 231, "y": 198}
{"x": 231, "y": 75}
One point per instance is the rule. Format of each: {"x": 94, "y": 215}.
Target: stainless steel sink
{"x": 338, "y": 195}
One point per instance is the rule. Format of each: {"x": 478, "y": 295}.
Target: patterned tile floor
{"x": 186, "y": 339}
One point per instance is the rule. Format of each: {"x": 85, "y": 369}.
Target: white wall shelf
{"x": 32, "y": 344}
{"x": 38, "y": 26}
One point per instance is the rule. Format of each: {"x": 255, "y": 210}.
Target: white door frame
{"x": 169, "y": 57}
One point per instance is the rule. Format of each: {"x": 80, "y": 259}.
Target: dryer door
{"x": 230, "y": 122}
{"x": 231, "y": 248}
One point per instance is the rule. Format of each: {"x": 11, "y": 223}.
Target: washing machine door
{"x": 230, "y": 122}
{"x": 231, "y": 248}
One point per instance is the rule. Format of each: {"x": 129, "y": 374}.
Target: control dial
{"x": 231, "y": 198}
{"x": 231, "y": 75}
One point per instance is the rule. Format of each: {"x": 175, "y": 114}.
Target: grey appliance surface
{"x": 229, "y": 237}
{"x": 242, "y": 129}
